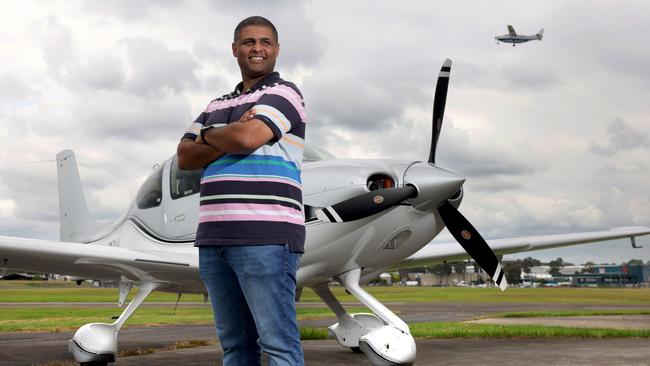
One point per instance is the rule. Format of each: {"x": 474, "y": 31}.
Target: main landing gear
{"x": 95, "y": 344}
{"x": 384, "y": 337}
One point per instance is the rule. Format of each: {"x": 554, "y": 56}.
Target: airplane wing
{"x": 438, "y": 252}
{"x": 107, "y": 263}
{"x": 511, "y": 31}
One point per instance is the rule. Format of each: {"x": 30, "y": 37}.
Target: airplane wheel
{"x": 356, "y": 349}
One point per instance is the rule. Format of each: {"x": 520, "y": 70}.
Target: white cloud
{"x": 621, "y": 137}
{"x": 155, "y": 69}
{"x": 7, "y": 208}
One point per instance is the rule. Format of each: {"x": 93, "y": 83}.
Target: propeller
{"x": 439, "y": 102}
{"x": 473, "y": 243}
{"x": 366, "y": 204}
{"x": 459, "y": 227}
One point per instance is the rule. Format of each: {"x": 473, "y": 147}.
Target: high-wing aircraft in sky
{"x": 514, "y": 38}
{"x": 362, "y": 217}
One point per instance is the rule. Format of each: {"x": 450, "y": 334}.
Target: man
{"x": 251, "y": 223}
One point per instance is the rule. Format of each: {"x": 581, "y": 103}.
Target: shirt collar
{"x": 267, "y": 80}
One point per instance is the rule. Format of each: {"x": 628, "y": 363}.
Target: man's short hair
{"x": 255, "y": 20}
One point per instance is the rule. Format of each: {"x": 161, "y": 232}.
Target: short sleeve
{"x": 281, "y": 108}
{"x": 194, "y": 130}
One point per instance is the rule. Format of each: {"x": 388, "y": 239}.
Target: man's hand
{"x": 247, "y": 116}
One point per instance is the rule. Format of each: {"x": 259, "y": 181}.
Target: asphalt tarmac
{"x": 41, "y": 348}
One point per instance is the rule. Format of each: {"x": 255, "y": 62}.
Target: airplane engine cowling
{"x": 434, "y": 184}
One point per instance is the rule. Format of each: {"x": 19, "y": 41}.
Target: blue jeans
{"x": 253, "y": 290}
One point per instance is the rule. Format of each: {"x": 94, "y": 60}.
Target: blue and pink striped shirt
{"x": 255, "y": 199}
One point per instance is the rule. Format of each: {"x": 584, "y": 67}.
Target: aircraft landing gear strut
{"x": 95, "y": 344}
{"x": 384, "y": 337}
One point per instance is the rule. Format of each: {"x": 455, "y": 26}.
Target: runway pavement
{"x": 40, "y": 348}
{"x": 451, "y": 352}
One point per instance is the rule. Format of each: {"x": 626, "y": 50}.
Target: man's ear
{"x": 234, "y": 48}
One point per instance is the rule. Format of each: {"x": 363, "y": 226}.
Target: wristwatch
{"x": 203, "y": 131}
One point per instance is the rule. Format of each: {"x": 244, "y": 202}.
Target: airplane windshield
{"x": 150, "y": 194}
{"x": 183, "y": 182}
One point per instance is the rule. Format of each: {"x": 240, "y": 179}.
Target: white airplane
{"x": 362, "y": 217}
{"x": 514, "y": 38}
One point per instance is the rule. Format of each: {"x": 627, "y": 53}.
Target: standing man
{"x": 251, "y": 223}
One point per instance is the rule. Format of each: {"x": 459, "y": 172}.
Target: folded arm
{"x": 195, "y": 154}
{"x": 234, "y": 138}
{"x": 239, "y": 137}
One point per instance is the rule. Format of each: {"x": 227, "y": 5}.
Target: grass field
{"x": 56, "y": 319}
{"x": 59, "y": 318}
{"x": 55, "y": 291}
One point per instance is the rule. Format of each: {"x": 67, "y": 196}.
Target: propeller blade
{"x": 439, "y": 102}
{"x": 366, "y": 204}
{"x": 473, "y": 243}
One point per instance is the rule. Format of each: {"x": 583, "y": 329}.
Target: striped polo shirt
{"x": 255, "y": 199}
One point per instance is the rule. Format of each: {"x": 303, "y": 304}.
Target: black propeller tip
{"x": 439, "y": 101}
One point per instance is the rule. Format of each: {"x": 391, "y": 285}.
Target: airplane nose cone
{"x": 434, "y": 184}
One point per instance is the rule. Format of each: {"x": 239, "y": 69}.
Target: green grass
{"x": 537, "y": 314}
{"x": 469, "y": 330}
{"x": 83, "y": 294}
{"x": 595, "y": 296}
{"x": 59, "y": 319}
{"x": 59, "y": 291}
{"x": 311, "y": 333}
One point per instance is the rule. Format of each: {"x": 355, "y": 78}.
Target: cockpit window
{"x": 150, "y": 194}
{"x": 313, "y": 153}
{"x": 183, "y": 182}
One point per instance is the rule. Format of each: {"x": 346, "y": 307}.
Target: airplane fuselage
{"x": 373, "y": 243}
{"x": 515, "y": 39}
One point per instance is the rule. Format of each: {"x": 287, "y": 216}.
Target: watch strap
{"x": 202, "y": 133}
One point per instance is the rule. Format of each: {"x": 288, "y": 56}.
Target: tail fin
{"x": 76, "y": 224}
{"x": 540, "y": 34}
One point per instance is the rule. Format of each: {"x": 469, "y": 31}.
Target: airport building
{"x": 614, "y": 275}
{"x": 581, "y": 276}
{"x": 602, "y": 275}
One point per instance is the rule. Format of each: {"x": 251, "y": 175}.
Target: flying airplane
{"x": 514, "y": 38}
{"x": 362, "y": 218}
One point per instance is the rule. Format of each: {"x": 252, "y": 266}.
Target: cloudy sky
{"x": 554, "y": 136}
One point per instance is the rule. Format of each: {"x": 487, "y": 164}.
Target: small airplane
{"x": 363, "y": 217}
{"x": 514, "y": 38}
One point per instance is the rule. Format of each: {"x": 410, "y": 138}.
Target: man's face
{"x": 256, "y": 50}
